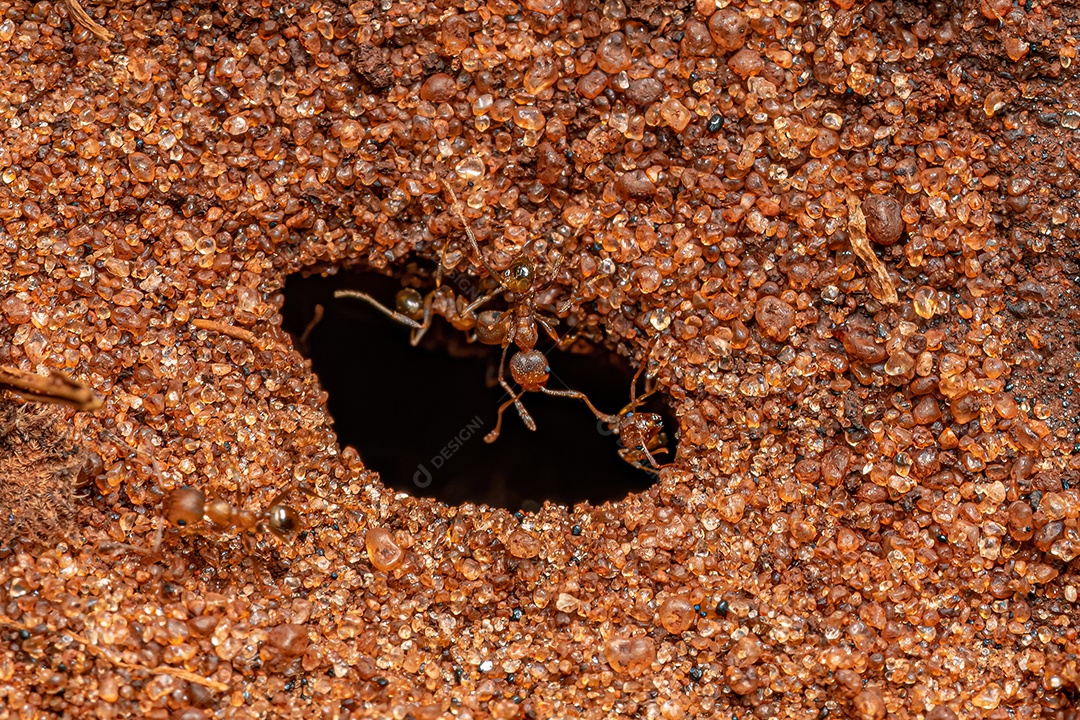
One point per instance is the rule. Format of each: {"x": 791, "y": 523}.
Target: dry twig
{"x": 56, "y": 388}
{"x": 225, "y": 329}
{"x": 860, "y": 243}
{"x": 81, "y": 18}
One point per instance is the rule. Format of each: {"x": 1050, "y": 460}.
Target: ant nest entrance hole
{"x": 418, "y": 415}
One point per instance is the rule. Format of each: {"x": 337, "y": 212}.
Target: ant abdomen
{"x": 409, "y": 303}
{"x": 530, "y": 369}
{"x": 283, "y": 520}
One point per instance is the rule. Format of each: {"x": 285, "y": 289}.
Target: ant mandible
{"x": 518, "y": 326}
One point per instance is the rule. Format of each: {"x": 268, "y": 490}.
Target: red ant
{"x": 417, "y": 311}
{"x": 641, "y": 434}
{"x": 518, "y": 326}
{"x": 187, "y": 506}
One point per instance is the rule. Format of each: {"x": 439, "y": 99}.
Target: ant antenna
{"x": 456, "y": 206}
{"x": 634, "y": 400}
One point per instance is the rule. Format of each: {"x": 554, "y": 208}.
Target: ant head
{"x": 530, "y": 369}
{"x": 409, "y": 303}
{"x": 518, "y": 277}
{"x": 644, "y": 425}
{"x": 283, "y": 520}
{"x": 184, "y": 506}
{"x": 652, "y": 424}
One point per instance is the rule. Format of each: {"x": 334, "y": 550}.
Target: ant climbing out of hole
{"x": 641, "y": 433}
{"x": 417, "y": 311}
{"x": 518, "y": 326}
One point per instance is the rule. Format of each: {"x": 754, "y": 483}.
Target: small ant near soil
{"x": 186, "y": 507}
{"x": 418, "y": 311}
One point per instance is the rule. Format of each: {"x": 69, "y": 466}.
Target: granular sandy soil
{"x": 847, "y": 232}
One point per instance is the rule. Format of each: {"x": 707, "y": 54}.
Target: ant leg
{"x": 525, "y": 416}
{"x": 633, "y": 383}
{"x": 648, "y": 454}
{"x": 468, "y": 230}
{"x": 502, "y": 378}
{"x": 641, "y": 369}
{"x": 543, "y": 322}
{"x": 635, "y": 402}
{"x": 522, "y": 412}
{"x": 514, "y": 398}
{"x": 494, "y": 434}
{"x": 250, "y": 546}
{"x": 281, "y": 496}
{"x": 471, "y": 308}
{"x": 554, "y": 273}
{"x": 294, "y": 485}
{"x": 442, "y": 264}
{"x": 425, "y": 323}
{"x": 581, "y": 396}
{"x": 569, "y": 339}
{"x": 316, "y": 317}
{"x": 636, "y": 464}
{"x": 558, "y": 267}
{"x": 560, "y": 342}
{"x": 357, "y": 295}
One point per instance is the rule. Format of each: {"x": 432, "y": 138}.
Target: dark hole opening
{"x": 418, "y": 415}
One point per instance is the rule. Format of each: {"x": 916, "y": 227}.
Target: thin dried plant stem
{"x": 860, "y": 243}
{"x": 94, "y": 649}
{"x": 82, "y": 18}
{"x": 225, "y": 329}
{"x": 56, "y": 388}
{"x": 316, "y": 318}
{"x": 175, "y": 672}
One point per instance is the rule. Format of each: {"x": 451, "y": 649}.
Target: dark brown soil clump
{"x": 39, "y": 471}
